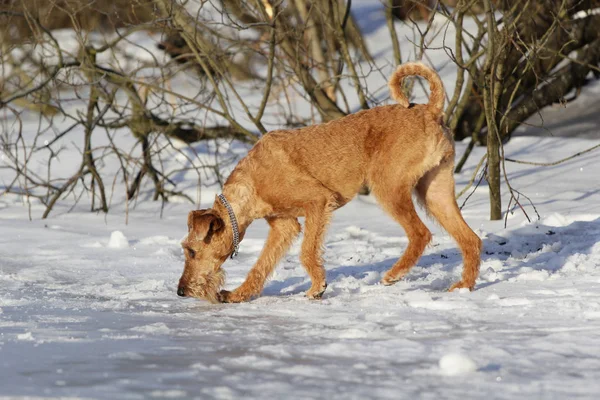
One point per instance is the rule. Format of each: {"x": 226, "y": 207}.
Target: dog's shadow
{"x": 534, "y": 248}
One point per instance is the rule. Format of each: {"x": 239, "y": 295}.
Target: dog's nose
{"x": 181, "y": 291}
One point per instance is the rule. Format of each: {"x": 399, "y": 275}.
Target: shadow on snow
{"x": 535, "y": 247}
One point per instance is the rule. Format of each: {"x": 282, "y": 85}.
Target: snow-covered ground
{"x": 88, "y": 306}
{"x": 87, "y": 312}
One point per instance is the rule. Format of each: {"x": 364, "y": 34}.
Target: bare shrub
{"x": 153, "y": 95}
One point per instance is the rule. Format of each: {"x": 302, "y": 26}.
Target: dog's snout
{"x": 181, "y": 291}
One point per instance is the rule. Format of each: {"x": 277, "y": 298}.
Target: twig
{"x": 550, "y": 164}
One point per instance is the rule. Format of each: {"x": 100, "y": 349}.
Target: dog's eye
{"x": 191, "y": 253}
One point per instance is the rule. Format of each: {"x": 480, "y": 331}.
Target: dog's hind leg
{"x": 436, "y": 191}
{"x": 282, "y": 234}
{"x": 398, "y": 203}
{"x": 318, "y": 215}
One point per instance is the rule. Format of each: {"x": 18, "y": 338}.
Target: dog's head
{"x": 206, "y": 247}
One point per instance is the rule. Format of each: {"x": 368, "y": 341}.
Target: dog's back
{"x": 344, "y": 154}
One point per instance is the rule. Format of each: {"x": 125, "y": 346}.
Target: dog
{"x": 396, "y": 150}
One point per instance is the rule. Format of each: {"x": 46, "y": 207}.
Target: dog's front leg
{"x": 282, "y": 234}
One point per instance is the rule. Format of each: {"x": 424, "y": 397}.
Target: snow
{"x": 456, "y": 364}
{"x": 117, "y": 241}
{"x": 88, "y": 307}
{"x": 82, "y": 318}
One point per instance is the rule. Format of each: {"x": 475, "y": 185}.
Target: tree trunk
{"x": 491, "y": 91}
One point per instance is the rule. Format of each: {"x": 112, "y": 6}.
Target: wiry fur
{"x": 437, "y": 98}
{"x": 207, "y": 286}
{"x": 312, "y": 171}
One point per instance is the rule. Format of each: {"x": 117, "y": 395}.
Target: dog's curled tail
{"x": 437, "y": 97}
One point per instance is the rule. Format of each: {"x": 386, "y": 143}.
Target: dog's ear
{"x": 203, "y": 223}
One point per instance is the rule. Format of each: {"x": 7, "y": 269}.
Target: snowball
{"x": 118, "y": 240}
{"x": 457, "y": 364}
{"x": 25, "y": 336}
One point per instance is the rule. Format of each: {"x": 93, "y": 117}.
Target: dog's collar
{"x": 234, "y": 225}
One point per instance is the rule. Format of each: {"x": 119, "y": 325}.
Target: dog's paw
{"x": 316, "y": 291}
{"x": 389, "y": 279}
{"x": 225, "y": 296}
{"x": 461, "y": 285}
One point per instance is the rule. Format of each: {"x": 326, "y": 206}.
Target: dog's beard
{"x": 208, "y": 286}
